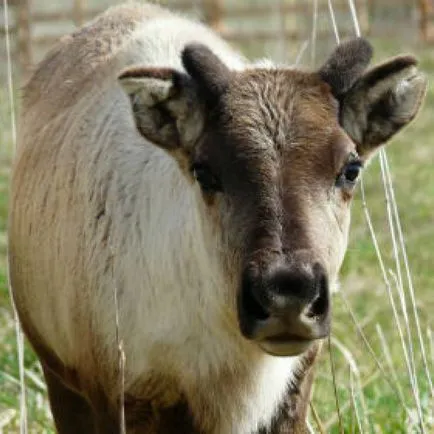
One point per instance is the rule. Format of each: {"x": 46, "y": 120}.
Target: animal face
{"x": 283, "y": 174}
{"x": 277, "y": 154}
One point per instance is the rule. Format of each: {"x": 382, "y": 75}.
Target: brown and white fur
{"x": 212, "y": 195}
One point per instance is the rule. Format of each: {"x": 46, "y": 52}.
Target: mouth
{"x": 269, "y": 333}
{"x": 285, "y": 345}
{"x": 282, "y": 336}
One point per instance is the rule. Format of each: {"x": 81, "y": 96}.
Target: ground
{"x": 370, "y": 399}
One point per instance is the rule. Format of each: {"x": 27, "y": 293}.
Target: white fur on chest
{"x": 248, "y": 409}
{"x": 229, "y": 382}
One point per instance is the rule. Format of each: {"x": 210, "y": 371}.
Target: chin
{"x": 289, "y": 348}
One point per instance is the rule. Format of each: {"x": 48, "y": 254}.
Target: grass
{"x": 381, "y": 410}
{"x": 409, "y": 156}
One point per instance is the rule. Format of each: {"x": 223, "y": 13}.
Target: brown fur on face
{"x": 275, "y": 143}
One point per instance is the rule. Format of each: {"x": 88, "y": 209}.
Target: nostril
{"x": 320, "y": 305}
{"x": 252, "y": 307}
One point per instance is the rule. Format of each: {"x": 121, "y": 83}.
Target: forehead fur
{"x": 281, "y": 107}
{"x": 273, "y": 127}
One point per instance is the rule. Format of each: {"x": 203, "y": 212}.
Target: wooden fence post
{"x": 281, "y": 16}
{"x": 78, "y": 12}
{"x": 364, "y": 17}
{"x": 424, "y": 10}
{"x": 213, "y": 11}
{"x": 24, "y": 36}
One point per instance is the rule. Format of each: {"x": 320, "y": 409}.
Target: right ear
{"x": 165, "y": 106}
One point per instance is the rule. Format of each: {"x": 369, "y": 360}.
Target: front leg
{"x": 71, "y": 412}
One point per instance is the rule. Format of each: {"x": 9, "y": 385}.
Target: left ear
{"x": 374, "y": 105}
{"x": 381, "y": 102}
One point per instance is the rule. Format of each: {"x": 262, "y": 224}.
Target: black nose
{"x": 294, "y": 290}
{"x": 289, "y": 303}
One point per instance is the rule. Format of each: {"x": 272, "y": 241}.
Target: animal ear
{"x": 165, "y": 106}
{"x": 346, "y": 65}
{"x": 381, "y": 102}
{"x": 210, "y": 74}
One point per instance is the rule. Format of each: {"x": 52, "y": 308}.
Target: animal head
{"x": 277, "y": 154}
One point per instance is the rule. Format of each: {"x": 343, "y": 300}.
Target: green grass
{"x": 410, "y": 155}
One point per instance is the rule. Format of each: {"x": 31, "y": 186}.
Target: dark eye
{"x": 207, "y": 180}
{"x": 352, "y": 171}
{"x": 349, "y": 175}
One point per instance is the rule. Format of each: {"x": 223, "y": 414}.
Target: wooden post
{"x": 213, "y": 12}
{"x": 424, "y": 10}
{"x": 24, "y": 35}
{"x": 363, "y": 11}
{"x": 370, "y": 10}
{"x": 281, "y": 17}
{"x": 78, "y": 12}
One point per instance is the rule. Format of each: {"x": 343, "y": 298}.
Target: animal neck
{"x": 268, "y": 396}
{"x": 221, "y": 382}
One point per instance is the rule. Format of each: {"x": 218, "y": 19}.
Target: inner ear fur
{"x": 165, "y": 106}
{"x": 169, "y": 105}
{"x": 381, "y": 102}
